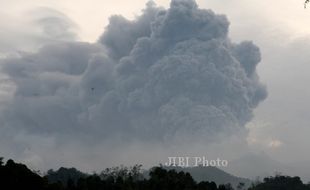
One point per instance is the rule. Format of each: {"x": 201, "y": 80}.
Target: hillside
{"x": 212, "y": 174}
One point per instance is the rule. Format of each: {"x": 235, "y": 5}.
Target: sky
{"x": 276, "y": 134}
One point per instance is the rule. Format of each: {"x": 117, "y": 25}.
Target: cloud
{"x": 122, "y": 34}
{"x": 275, "y": 144}
{"x": 168, "y": 75}
{"x": 261, "y": 136}
{"x": 33, "y": 29}
{"x": 53, "y": 25}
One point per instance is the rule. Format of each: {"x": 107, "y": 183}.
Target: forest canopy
{"x": 18, "y": 176}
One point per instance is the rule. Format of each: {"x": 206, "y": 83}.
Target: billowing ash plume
{"x": 168, "y": 73}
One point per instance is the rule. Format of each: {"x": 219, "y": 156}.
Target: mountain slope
{"x": 212, "y": 174}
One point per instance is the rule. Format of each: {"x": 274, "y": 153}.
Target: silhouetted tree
{"x": 170, "y": 180}
{"x": 123, "y": 172}
{"x": 206, "y": 185}
{"x": 281, "y": 183}
{"x": 62, "y": 175}
{"x": 18, "y": 176}
{"x": 226, "y": 187}
{"x": 240, "y": 186}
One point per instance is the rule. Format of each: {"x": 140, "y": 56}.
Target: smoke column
{"x": 167, "y": 74}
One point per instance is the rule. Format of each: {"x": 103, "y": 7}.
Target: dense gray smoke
{"x": 169, "y": 73}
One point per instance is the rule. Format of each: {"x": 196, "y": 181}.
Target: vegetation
{"x": 281, "y": 183}
{"x": 63, "y": 175}
{"x": 214, "y": 174}
{"x": 18, "y": 176}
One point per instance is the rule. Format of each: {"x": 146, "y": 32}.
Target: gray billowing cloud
{"x": 122, "y": 34}
{"x": 169, "y": 73}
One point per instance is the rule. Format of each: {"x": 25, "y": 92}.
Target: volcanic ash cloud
{"x": 168, "y": 73}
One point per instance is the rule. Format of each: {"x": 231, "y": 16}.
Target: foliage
{"x": 18, "y": 176}
{"x": 63, "y": 175}
{"x": 123, "y": 172}
{"x": 281, "y": 183}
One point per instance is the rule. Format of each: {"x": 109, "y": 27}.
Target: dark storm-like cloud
{"x": 168, "y": 73}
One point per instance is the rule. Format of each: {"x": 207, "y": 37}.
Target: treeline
{"x": 18, "y": 176}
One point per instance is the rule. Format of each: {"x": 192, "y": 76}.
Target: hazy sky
{"x": 280, "y": 29}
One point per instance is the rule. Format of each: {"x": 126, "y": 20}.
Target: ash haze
{"x": 179, "y": 78}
